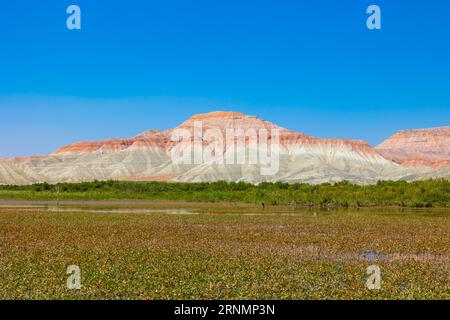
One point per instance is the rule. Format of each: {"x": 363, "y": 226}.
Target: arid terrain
{"x": 408, "y": 155}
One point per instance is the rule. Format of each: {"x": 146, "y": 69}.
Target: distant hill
{"x": 295, "y": 157}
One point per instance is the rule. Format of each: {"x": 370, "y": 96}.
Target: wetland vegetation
{"x": 419, "y": 194}
{"x": 190, "y": 252}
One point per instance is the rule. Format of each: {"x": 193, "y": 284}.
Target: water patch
{"x": 141, "y": 211}
{"x": 373, "y": 256}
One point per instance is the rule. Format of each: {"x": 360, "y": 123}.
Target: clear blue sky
{"x": 311, "y": 66}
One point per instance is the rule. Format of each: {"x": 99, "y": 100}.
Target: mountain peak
{"x": 219, "y": 114}
{"x": 229, "y": 120}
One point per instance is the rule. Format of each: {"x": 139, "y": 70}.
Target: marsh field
{"x": 176, "y": 250}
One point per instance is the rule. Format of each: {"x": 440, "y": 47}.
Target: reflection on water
{"x": 94, "y": 209}
{"x": 372, "y": 256}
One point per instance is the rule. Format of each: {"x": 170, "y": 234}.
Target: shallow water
{"x": 131, "y": 207}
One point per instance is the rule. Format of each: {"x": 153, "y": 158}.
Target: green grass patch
{"x": 419, "y": 194}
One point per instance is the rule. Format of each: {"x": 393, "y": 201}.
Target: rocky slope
{"x": 418, "y": 148}
{"x": 155, "y": 156}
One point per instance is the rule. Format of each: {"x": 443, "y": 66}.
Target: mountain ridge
{"x": 150, "y": 136}
{"x": 429, "y": 147}
{"x": 148, "y": 157}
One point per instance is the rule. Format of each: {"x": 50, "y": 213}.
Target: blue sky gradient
{"x": 310, "y": 66}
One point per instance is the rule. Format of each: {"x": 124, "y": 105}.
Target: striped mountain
{"x": 147, "y": 157}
